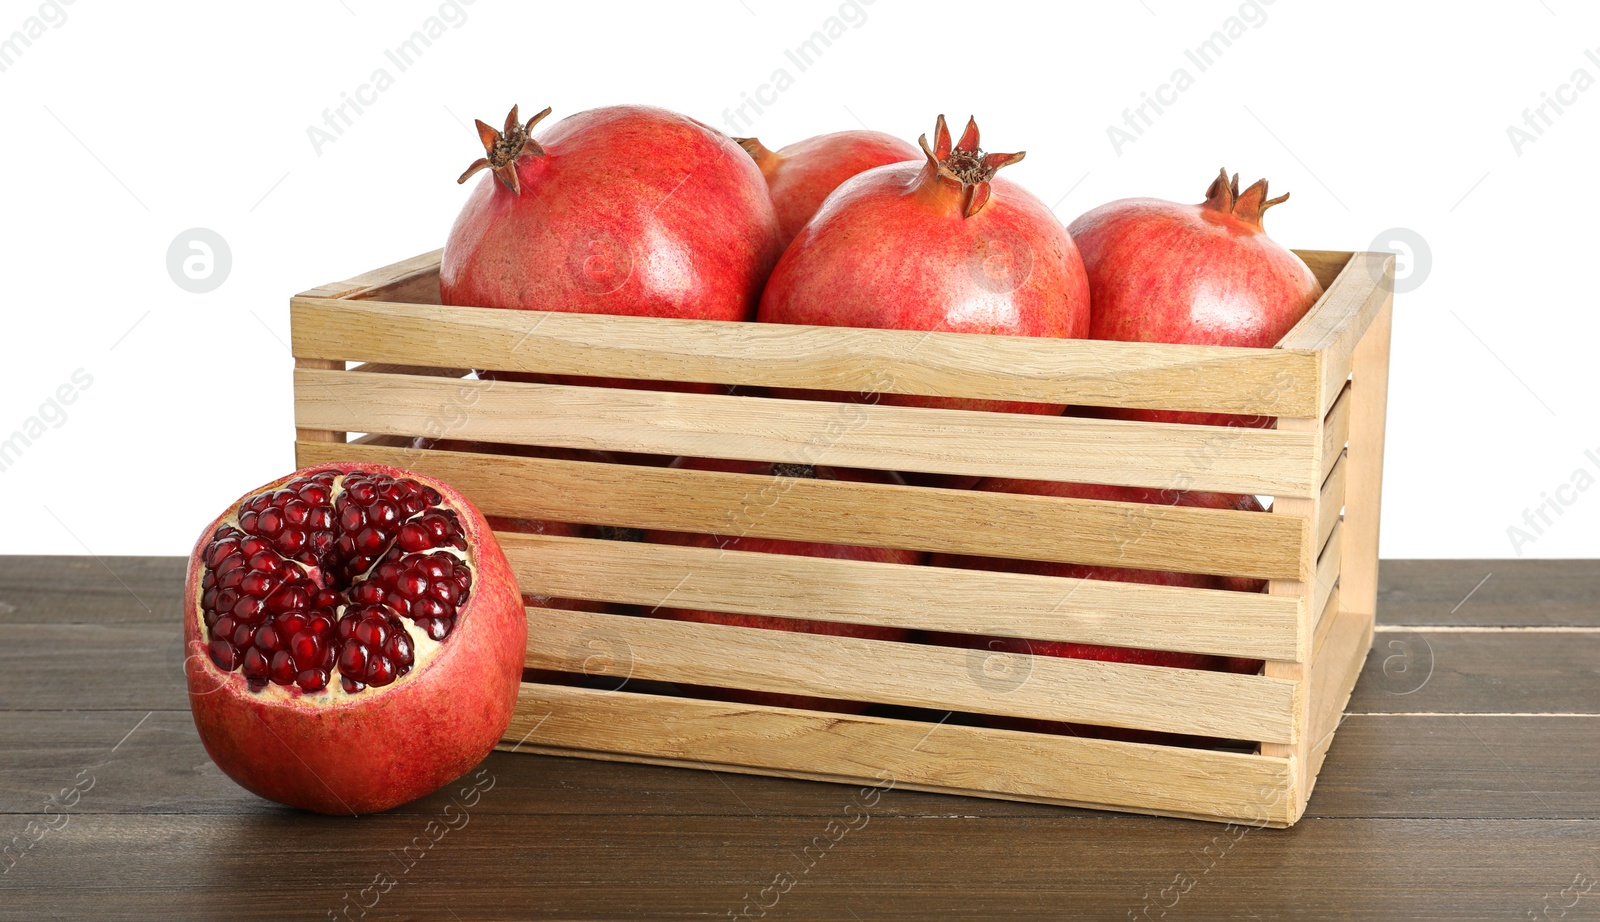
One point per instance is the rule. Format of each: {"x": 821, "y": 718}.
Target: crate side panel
{"x": 980, "y": 602}
{"x": 1216, "y": 379}
{"x": 1261, "y": 461}
{"x": 1201, "y": 703}
{"x": 880, "y": 752}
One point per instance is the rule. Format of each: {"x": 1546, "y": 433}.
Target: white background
{"x": 127, "y": 124}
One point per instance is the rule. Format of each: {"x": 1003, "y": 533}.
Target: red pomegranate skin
{"x": 627, "y": 210}
{"x": 910, "y": 246}
{"x": 801, "y": 175}
{"x": 391, "y": 745}
{"x": 1206, "y": 274}
{"x": 736, "y": 542}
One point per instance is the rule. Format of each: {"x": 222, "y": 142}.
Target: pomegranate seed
{"x": 282, "y": 668}
{"x": 365, "y": 548}
{"x": 398, "y": 649}
{"x": 352, "y": 659}
{"x": 414, "y": 537}
{"x": 306, "y": 646}
{"x": 268, "y": 640}
{"x": 224, "y": 655}
{"x": 380, "y": 672}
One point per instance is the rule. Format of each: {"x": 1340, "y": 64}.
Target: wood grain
{"x": 1137, "y": 535}
{"x": 1262, "y": 461}
{"x": 914, "y": 597}
{"x": 1338, "y": 321}
{"x": 1268, "y": 382}
{"x": 872, "y": 750}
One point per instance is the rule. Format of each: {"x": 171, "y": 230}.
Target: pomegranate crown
{"x": 1248, "y": 206}
{"x": 966, "y": 163}
{"x": 505, "y": 148}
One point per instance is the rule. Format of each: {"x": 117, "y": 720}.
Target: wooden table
{"x": 1463, "y": 784}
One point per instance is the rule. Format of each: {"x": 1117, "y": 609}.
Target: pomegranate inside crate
{"x": 379, "y": 355}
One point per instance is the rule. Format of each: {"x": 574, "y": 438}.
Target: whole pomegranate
{"x": 939, "y": 245}
{"x": 738, "y": 542}
{"x": 619, "y": 210}
{"x": 1206, "y": 274}
{"x": 801, "y": 175}
{"x": 354, "y": 638}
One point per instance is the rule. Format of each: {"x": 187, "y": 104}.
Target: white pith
{"x": 423, "y": 647}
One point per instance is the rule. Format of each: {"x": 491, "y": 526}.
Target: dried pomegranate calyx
{"x": 505, "y": 147}
{"x": 1249, "y": 206}
{"x": 965, "y": 164}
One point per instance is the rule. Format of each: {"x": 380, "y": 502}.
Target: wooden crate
{"x": 1318, "y": 546}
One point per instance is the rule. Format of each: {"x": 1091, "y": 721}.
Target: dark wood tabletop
{"x": 1464, "y": 783}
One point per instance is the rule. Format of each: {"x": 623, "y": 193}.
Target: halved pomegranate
{"x": 354, "y": 638}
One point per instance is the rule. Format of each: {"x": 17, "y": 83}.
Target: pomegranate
{"x": 938, "y": 245}
{"x": 1207, "y": 274}
{"x": 619, "y": 210}
{"x": 739, "y": 542}
{"x": 354, "y": 638}
{"x": 801, "y": 175}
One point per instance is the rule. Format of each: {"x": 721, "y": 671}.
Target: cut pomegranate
{"x": 336, "y": 616}
{"x": 314, "y": 577}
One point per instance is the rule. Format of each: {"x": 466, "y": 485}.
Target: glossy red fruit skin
{"x": 393, "y": 744}
{"x": 1206, "y": 274}
{"x": 893, "y": 248}
{"x": 630, "y": 210}
{"x": 780, "y": 546}
{"x": 801, "y": 175}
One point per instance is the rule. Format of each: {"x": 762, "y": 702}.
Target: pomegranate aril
{"x": 360, "y": 490}
{"x": 398, "y": 649}
{"x": 430, "y": 608}
{"x": 258, "y": 584}
{"x": 412, "y": 585}
{"x": 224, "y": 655}
{"x": 244, "y": 636}
{"x": 435, "y": 628}
{"x": 225, "y": 626}
{"x": 306, "y": 646}
{"x": 292, "y": 540}
{"x": 371, "y": 633}
{"x": 446, "y": 592}
{"x": 287, "y": 599}
{"x": 249, "y": 608}
{"x": 413, "y": 537}
{"x": 269, "y": 639}
{"x": 351, "y": 686}
{"x": 247, "y": 520}
{"x": 368, "y": 593}
{"x": 256, "y": 668}
{"x": 296, "y": 511}
{"x": 283, "y": 669}
{"x": 289, "y": 625}
{"x": 352, "y": 659}
{"x": 380, "y": 672}
{"x": 312, "y": 680}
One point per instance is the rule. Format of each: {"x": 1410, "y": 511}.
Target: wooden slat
{"x": 1157, "y": 779}
{"x": 1157, "y": 698}
{"x": 379, "y": 368}
{"x": 1325, "y": 264}
{"x": 1142, "y": 536}
{"x": 1331, "y": 503}
{"x": 1329, "y": 568}
{"x": 1335, "y": 431}
{"x": 386, "y": 279}
{"x": 1324, "y": 622}
{"x": 1338, "y": 320}
{"x": 913, "y": 597}
{"x": 1262, "y": 461}
{"x": 1364, "y": 491}
{"x": 1333, "y": 675}
{"x": 319, "y": 433}
{"x": 1269, "y": 382}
